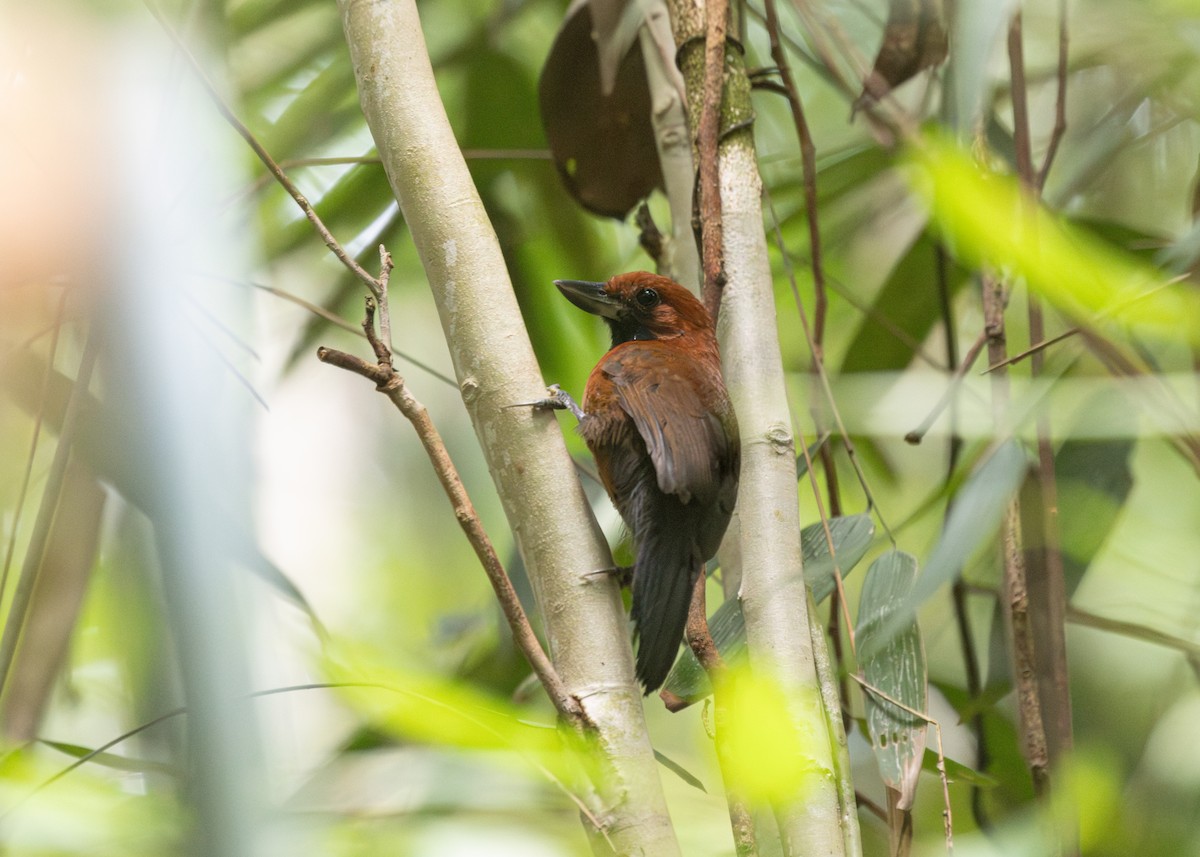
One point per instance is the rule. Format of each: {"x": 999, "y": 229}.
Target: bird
{"x": 659, "y": 422}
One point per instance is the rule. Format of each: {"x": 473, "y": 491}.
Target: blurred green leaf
{"x": 269, "y": 61}
{"x": 111, "y": 760}
{"x": 111, "y": 444}
{"x": 990, "y": 222}
{"x": 909, "y": 301}
{"x": 974, "y": 518}
{"x": 680, "y": 771}
{"x": 767, "y": 758}
{"x": 246, "y": 17}
{"x": 1094, "y": 481}
{"x": 416, "y": 705}
{"x": 356, "y": 200}
{"x": 323, "y": 110}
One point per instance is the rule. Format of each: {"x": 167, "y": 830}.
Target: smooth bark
{"x": 495, "y": 367}
{"x": 773, "y": 594}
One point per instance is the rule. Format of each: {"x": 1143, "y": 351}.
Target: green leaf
{"x": 680, "y": 771}
{"x": 323, "y": 110}
{"x": 110, "y": 760}
{"x": 975, "y": 516}
{"x": 417, "y": 706}
{"x": 908, "y": 300}
{"x": 851, "y": 535}
{"x": 1085, "y": 277}
{"x": 895, "y": 667}
{"x": 957, "y": 772}
{"x": 353, "y": 203}
{"x": 1094, "y": 480}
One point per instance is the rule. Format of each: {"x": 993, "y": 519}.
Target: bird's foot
{"x": 622, "y": 573}
{"x": 558, "y": 400}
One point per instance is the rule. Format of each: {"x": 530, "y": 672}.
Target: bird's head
{"x": 640, "y": 305}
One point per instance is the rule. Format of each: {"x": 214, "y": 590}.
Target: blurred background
{"x": 193, "y": 508}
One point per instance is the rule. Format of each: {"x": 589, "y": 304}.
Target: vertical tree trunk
{"x": 495, "y": 366}
{"x": 773, "y": 594}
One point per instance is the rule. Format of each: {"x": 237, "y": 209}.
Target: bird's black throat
{"x": 628, "y": 330}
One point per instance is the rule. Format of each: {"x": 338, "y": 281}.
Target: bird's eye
{"x": 646, "y": 298}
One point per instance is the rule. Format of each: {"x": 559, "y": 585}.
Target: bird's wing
{"x": 688, "y": 443}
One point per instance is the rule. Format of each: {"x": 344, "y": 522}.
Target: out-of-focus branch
{"x": 918, "y": 434}
{"x": 808, "y": 159}
{"x": 1060, "y": 100}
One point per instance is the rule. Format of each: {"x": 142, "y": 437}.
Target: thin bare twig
{"x": 1046, "y": 621}
{"x": 263, "y": 155}
{"x": 826, "y": 389}
{"x": 870, "y": 806}
{"x": 708, "y": 134}
{"x": 918, "y": 434}
{"x": 391, "y": 384}
{"x": 1133, "y": 630}
{"x": 1060, "y": 100}
{"x": 962, "y": 616}
{"x": 1037, "y": 346}
{"x": 839, "y": 589}
{"x": 334, "y": 319}
{"x": 808, "y": 158}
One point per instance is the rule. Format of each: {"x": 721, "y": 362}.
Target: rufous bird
{"x": 658, "y": 420}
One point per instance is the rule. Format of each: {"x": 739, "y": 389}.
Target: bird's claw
{"x": 558, "y": 400}
{"x": 623, "y": 574}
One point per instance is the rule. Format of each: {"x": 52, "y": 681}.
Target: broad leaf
{"x": 895, "y": 667}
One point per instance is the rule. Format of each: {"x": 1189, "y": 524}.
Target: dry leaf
{"x": 603, "y": 144}
{"x": 915, "y": 38}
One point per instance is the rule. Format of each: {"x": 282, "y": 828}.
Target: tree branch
{"x": 389, "y": 382}
{"x": 495, "y": 366}
{"x": 774, "y": 599}
{"x": 1042, "y": 543}
{"x": 808, "y": 158}
{"x": 708, "y": 134}
{"x": 1060, "y": 100}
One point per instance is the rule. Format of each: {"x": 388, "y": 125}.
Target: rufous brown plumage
{"x": 658, "y": 420}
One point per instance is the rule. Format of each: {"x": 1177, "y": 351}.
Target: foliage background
{"x": 344, "y": 504}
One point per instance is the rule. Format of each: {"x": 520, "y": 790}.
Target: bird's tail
{"x": 663, "y": 579}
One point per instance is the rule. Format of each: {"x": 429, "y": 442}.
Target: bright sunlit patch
{"x": 1091, "y": 799}
{"x": 989, "y": 222}
{"x": 427, "y": 708}
{"x": 773, "y": 754}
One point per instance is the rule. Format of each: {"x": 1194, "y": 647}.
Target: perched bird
{"x": 660, "y": 425}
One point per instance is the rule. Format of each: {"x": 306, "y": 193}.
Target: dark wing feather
{"x": 685, "y": 440}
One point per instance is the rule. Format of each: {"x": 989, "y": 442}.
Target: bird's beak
{"x": 590, "y": 297}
